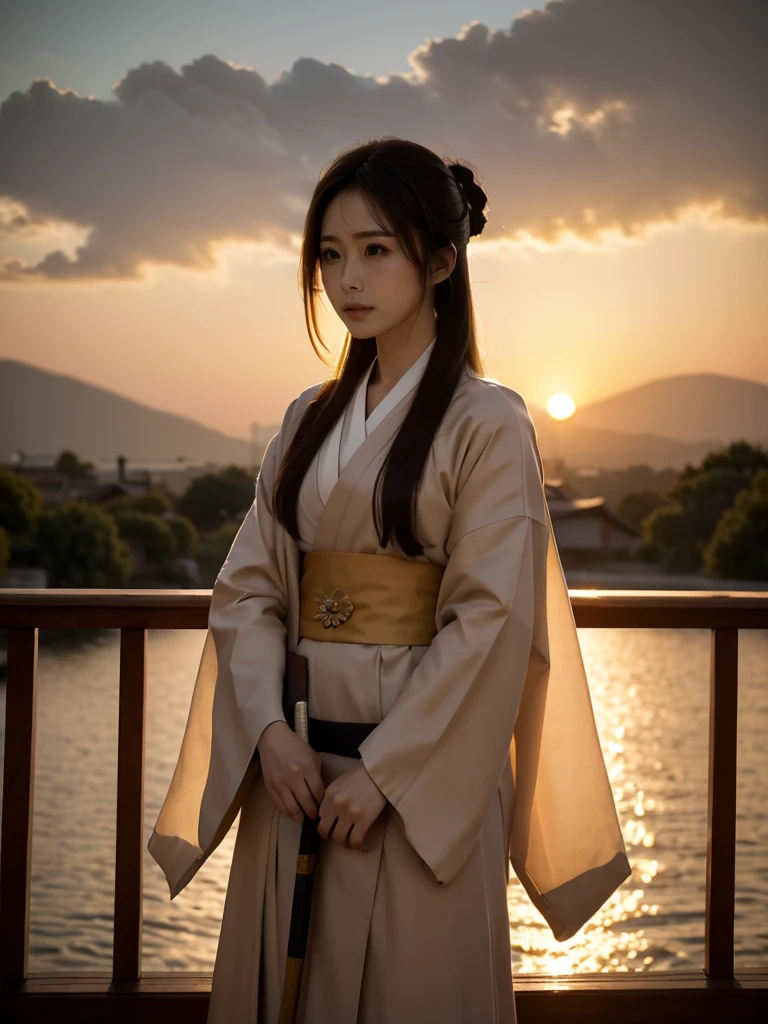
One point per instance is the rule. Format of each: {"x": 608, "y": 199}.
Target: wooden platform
{"x": 663, "y": 997}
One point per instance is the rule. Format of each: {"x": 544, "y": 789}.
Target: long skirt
{"x": 388, "y": 944}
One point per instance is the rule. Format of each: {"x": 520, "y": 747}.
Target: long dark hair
{"x": 428, "y": 201}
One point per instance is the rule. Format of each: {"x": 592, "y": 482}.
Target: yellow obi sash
{"x": 360, "y": 598}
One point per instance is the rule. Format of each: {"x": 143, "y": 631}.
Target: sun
{"x": 560, "y": 407}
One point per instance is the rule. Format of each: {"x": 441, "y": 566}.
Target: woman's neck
{"x": 378, "y": 388}
{"x": 391, "y": 364}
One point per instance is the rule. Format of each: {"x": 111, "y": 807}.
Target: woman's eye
{"x": 327, "y": 252}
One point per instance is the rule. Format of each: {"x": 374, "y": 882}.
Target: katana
{"x": 302, "y": 896}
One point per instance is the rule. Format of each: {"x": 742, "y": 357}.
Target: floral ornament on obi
{"x": 334, "y": 609}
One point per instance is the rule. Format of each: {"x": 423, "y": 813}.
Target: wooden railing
{"x": 716, "y": 994}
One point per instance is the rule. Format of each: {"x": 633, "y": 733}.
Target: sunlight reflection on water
{"x": 650, "y": 694}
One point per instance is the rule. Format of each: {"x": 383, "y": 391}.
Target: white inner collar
{"x": 352, "y": 428}
{"x": 409, "y": 380}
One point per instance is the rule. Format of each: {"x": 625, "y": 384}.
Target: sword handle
{"x": 301, "y": 720}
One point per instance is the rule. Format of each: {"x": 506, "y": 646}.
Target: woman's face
{"x": 371, "y": 269}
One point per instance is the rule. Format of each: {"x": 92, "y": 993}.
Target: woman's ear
{"x": 442, "y": 266}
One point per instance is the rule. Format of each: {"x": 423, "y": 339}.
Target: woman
{"x": 413, "y": 485}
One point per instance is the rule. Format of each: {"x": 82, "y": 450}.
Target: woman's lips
{"x": 358, "y": 314}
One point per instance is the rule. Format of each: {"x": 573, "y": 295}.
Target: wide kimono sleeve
{"x": 481, "y": 702}
{"x": 237, "y": 693}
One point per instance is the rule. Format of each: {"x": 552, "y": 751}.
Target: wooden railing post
{"x": 18, "y": 800}
{"x": 126, "y": 955}
{"x": 721, "y": 804}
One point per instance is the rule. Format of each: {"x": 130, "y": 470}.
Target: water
{"x": 650, "y": 691}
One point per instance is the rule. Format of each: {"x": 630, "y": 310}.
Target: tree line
{"x": 713, "y": 516}
{"x": 82, "y": 544}
{"x": 710, "y": 517}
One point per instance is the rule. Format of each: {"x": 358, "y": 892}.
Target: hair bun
{"x": 475, "y": 197}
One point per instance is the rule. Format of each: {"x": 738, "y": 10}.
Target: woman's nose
{"x": 352, "y": 275}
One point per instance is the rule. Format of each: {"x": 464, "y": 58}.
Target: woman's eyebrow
{"x": 359, "y": 234}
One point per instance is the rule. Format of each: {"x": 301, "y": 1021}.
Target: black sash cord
{"x": 338, "y": 737}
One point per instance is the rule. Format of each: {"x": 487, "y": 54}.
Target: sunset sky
{"x": 154, "y": 181}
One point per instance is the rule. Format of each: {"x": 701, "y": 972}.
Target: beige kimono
{"x": 487, "y": 749}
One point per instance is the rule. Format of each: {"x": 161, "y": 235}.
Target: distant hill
{"x": 43, "y": 412}
{"x": 689, "y": 407}
{"x": 589, "y": 447}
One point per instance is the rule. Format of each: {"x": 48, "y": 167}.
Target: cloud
{"x": 584, "y": 116}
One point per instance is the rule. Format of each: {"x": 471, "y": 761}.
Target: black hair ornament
{"x": 475, "y": 197}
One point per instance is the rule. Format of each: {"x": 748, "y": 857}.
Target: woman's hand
{"x": 351, "y": 804}
{"x": 291, "y": 771}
